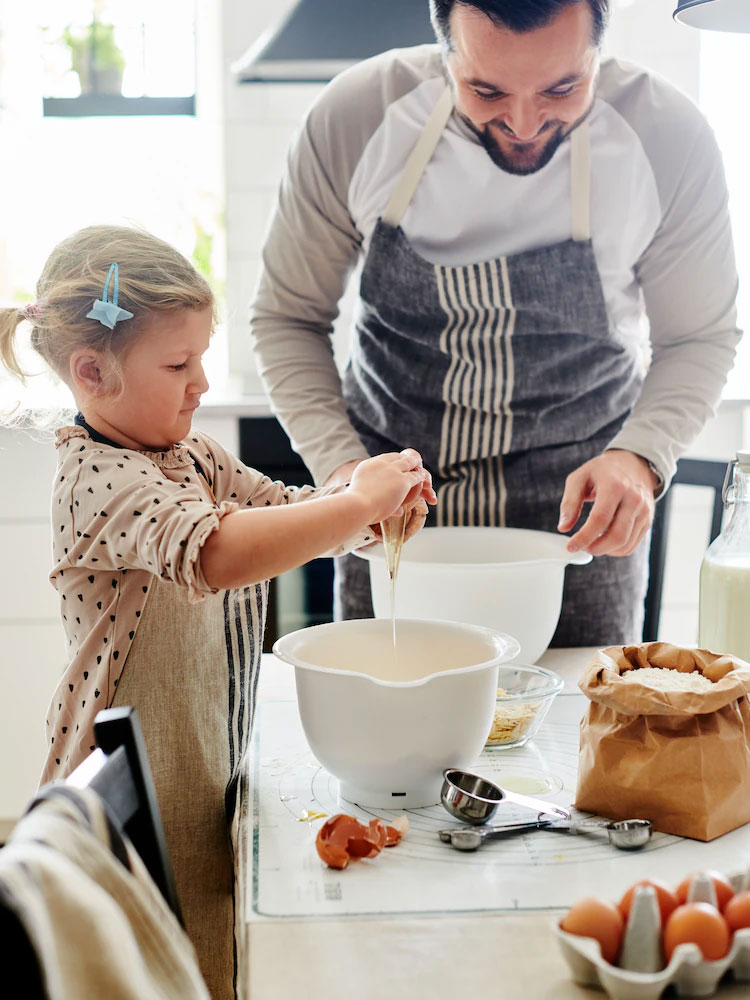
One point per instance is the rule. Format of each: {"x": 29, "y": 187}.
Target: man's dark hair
{"x": 516, "y": 15}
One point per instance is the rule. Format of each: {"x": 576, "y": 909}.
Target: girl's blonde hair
{"x": 153, "y": 278}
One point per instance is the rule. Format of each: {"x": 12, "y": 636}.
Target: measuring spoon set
{"x": 474, "y": 799}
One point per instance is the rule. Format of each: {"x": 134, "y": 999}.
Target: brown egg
{"x": 598, "y": 919}
{"x": 701, "y": 924}
{"x": 737, "y": 911}
{"x": 666, "y": 899}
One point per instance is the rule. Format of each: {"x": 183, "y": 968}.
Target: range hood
{"x": 319, "y": 38}
{"x": 714, "y": 15}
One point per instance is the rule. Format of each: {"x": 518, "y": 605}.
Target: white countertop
{"x": 510, "y": 953}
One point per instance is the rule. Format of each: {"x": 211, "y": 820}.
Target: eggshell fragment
{"x": 343, "y": 838}
{"x": 396, "y": 831}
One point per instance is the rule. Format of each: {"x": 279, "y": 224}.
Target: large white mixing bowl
{"x": 509, "y": 579}
{"x": 387, "y": 723}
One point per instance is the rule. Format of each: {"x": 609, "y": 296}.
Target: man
{"x": 522, "y": 212}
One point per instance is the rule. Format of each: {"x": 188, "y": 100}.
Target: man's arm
{"x": 313, "y": 245}
{"x": 311, "y": 250}
{"x": 689, "y": 283}
{"x": 309, "y": 254}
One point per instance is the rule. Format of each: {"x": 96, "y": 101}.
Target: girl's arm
{"x": 253, "y": 545}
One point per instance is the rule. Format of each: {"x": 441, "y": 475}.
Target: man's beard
{"x": 517, "y": 164}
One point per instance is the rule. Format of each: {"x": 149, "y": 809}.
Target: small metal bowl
{"x": 469, "y": 797}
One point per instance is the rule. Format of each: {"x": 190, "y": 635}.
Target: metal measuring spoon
{"x": 469, "y": 838}
{"x": 474, "y": 799}
{"x": 626, "y": 835}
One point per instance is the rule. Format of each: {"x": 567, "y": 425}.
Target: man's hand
{"x": 621, "y": 486}
{"x": 344, "y": 473}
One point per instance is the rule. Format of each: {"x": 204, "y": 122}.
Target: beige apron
{"x": 193, "y": 684}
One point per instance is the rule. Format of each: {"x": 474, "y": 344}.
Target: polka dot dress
{"x": 121, "y": 519}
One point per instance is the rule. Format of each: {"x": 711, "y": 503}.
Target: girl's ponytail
{"x": 9, "y": 321}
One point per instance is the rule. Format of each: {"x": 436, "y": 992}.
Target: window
{"x": 115, "y": 57}
{"x": 62, "y": 173}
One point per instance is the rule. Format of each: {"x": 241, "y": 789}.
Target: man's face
{"x": 522, "y": 94}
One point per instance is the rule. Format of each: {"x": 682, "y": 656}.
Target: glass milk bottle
{"x": 724, "y": 611}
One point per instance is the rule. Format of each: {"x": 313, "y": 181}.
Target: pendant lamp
{"x": 714, "y": 15}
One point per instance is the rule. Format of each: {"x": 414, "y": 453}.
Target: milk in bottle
{"x": 724, "y": 610}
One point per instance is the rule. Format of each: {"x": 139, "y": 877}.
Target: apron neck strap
{"x": 580, "y": 170}
{"x": 418, "y": 160}
{"x": 580, "y": 182}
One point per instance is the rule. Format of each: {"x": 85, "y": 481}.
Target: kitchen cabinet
{"x": 303, "y": 596}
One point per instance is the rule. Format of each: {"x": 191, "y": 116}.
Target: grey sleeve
{"x": 310, "y": 252}
{"x": 312, "y": 249}
{"x": 689, "y": 283}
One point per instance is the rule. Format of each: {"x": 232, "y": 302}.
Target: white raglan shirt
{"x": 659, "y": 220}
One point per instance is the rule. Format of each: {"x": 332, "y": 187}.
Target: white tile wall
{"x": 31, "y": 637}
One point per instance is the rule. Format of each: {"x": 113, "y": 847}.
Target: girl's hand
{"x": 415, "y": 505}
{"x": 391, "y": 483}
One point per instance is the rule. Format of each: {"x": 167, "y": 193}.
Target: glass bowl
{"x": 524, "y": 696}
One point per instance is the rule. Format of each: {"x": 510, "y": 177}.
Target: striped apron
{"x": 505, "y": 375}
{"x": 194, "y": 688}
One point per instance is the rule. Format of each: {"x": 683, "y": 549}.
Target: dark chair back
{"x": 690, "y": 472}
{"x": 119, "y": 772}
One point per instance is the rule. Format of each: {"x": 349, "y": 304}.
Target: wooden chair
{"x": 690, "y": 472}
{"x": 119, "y": 772}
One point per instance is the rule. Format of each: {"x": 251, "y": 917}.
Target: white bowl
{"x": 508, "y": 579}
{"x": 387, "y": 724}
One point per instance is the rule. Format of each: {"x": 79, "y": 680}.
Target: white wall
{"x": 259, "y": 124}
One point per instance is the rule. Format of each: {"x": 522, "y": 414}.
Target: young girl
{"x": 164, "y": 543}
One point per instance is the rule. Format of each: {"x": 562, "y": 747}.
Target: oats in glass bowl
{"x": 524, "y": 696}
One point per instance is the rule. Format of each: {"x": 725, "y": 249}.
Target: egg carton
{"x": 687, "y": 971}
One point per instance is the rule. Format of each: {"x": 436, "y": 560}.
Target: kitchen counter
{"x": 437, "y": 924}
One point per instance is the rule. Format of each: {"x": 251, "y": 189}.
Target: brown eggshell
{"x": 396, "y": 831}
{"x": 343, "y": 838}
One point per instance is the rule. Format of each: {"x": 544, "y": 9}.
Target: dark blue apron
{"x": 504, "y": 374}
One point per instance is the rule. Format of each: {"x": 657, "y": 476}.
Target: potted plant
{"x": 96, "y": 58}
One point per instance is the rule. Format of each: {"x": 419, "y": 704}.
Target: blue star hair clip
{"x": 105, "y": 310}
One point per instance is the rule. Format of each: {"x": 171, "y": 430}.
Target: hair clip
{"x": 108, "y": 312}
{"x": 32, "y": 311}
